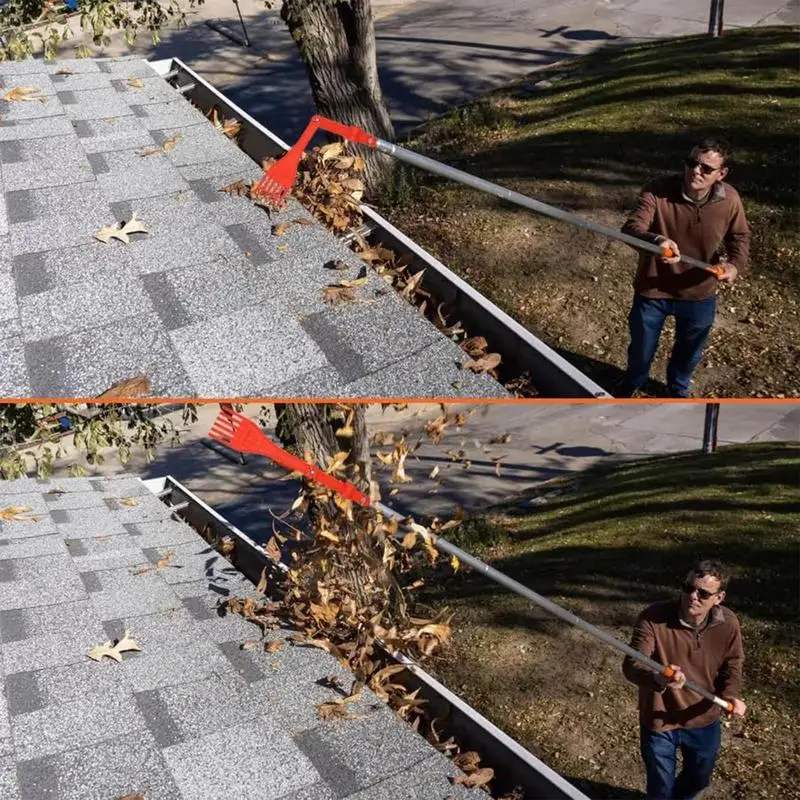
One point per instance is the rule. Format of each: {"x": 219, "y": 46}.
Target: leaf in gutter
{"x": 476, "y": 779}
{"x": 23, "y": 94}
{"x": 171, "y": 142}
{"x": 273, "y": 550}
{"x": 280, "y": 229}
{"x": 412, "y": 285}
{"x": 484, "y": 364}
{"x": 136, "y": 83}
{"x": 338, "y": 294}
{"x": 138, "y": 386}
{"x": 475, "y": 346}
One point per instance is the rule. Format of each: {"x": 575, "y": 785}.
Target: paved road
{"x": 545, "y": 441}
{"x": 435, "y": 53}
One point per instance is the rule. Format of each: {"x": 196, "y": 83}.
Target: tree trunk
{"x": 336, "y": 39}
{"x": 312, "y": 428}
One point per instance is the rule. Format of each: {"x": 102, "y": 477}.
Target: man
{"x": 701, "y": 641}
{"x": 692, "y": 214}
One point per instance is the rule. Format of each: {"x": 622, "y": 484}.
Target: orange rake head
{"x": 243, "y": 435}
{"x": 278, "y": 180}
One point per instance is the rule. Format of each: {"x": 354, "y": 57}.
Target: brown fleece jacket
{"x": 698, "y": 230}
{"x": 712, "y": 657}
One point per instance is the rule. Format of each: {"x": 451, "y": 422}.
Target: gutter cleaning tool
{"x": 239, "y": 433}
{"x": 277, "y": 182}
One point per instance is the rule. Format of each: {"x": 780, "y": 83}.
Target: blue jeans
{"x": 693, "y": 321}
{"x": 698, "y": 746}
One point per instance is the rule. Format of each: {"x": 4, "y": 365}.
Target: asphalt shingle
{"x": 190, "y": 715}
{"x": 208, "y": 302}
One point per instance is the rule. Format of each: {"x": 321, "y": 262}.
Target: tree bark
{"x": 336, "y": 39}
{"x": 312, "y": 428}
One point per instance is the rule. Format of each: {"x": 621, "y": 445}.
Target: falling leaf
{"x": 115, "y": 651}
{"x": 136, "y": 83}
{"x": 454, "y": 563}
{"x": 121, "y": 232}
{"x": 129, "y": 501}
{"x": 280, "y": 229}
{"x": 477, "y": 779}
{"x": 338, "y": 294}
{"x": 138, "y": 386}
{"x": 14, "y": 514}
{"x": 171, "y": 142}
{"x": 273, "y": 647}
{"x": 484, "y": 364}
{"x": 273, "y": 550}
{"x": 23, "y": 94}
{"x": 166, "y": 559}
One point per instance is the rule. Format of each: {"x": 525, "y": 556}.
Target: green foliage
{"x": 32, "y": 437}
{"x": 40, "y": 28}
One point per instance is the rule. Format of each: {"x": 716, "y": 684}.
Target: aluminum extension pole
{"x": 438, "y": 168}
{"x": 558, "y": 611}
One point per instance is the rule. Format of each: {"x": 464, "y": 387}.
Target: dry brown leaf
{"x": 273, "y": 550}
{"x": 129, "y": 501}
{"x": 114, "y": 651}
{"x": 339, "y": 294}
{"x": 303, "y": 221}
{"x": 121, "y": 232}
{"x": 475, "y": 346}
{"x": 148, "y": 151}
{"x": 504, "y": 438}
{"x": 475, "y": 780}
{"x": 280, "y": 229}
{"x": 237, "y": 189}
{"x": 273, "y": 647}
{"x": 171, "y": 142}
{"x": 468, "y": 761}
{"x": 23, "y": 94}
{"x": 484, "y": 363}
{"x": 434, "y": 472}
{"x": 65, "y": 71}
{"x": 338, "y": 265}
{"x": 354, "y": 282}
{"x": 136, "y": 83}
{"x": 227, "y": 545}
{"x": 262, "y": 583}
{"x": 138, "y": 386}
{"x": 413, "y": 284}
{"x": 133, "y": 797}
{"x": 332, "y": 150}
{"x": 165, "y": 559}
{"x": 15, "y": 514}
{"x": 249, "y": 644}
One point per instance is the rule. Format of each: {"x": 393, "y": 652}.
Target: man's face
{"x": 700, "y": 594}
{"x": 702, "y": 170}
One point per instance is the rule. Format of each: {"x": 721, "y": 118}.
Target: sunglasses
{"x": 691, "y": 163}
{"x": 703, "y": 594}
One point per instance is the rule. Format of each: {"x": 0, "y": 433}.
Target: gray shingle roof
{"x": 190, "y": 716}
{"x": 208, "y": 302}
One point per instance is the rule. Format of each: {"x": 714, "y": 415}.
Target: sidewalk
{"x": 191, "y": 716}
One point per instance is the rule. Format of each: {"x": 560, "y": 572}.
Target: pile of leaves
{"x": 346, "y": 592}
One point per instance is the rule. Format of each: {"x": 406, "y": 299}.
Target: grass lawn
{"x": 586, "y": 135}
{"x": 605, "y": 544}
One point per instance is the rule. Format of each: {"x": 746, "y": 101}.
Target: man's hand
{"x": 669, "y": 247}
{"x": 677, "y": 680}
{"x": 729, "y": 274}
{"x": 739, "y": 707}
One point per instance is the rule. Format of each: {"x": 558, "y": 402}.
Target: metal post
{"x": 715, "y": 18}
{"x": 710, "y": 429}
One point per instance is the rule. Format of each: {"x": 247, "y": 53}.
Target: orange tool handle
{"x": 715, "y": 269}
